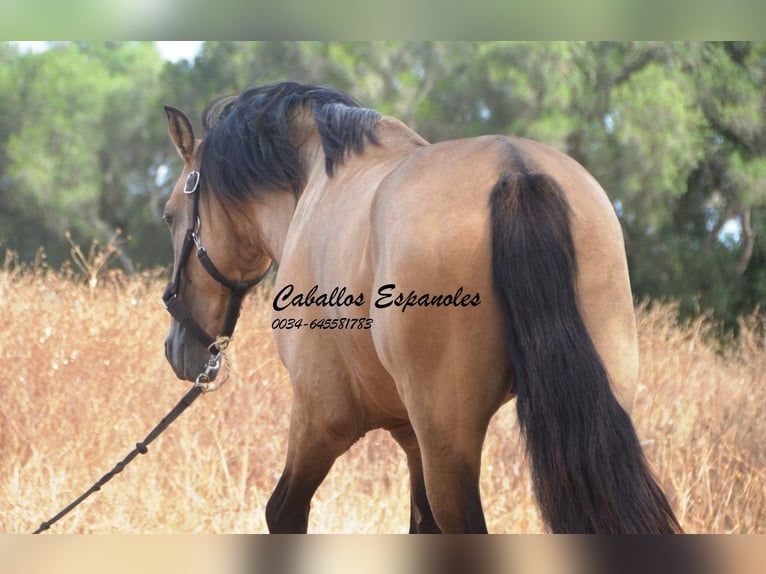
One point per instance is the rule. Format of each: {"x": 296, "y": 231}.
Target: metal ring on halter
{"x": 192, "y": 182}
{"x": 197, "y": 241}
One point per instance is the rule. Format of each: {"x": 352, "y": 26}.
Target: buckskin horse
{"x": 419, "y": 288}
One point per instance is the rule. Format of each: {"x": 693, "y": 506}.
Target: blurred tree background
{"x": 675, "y": 132}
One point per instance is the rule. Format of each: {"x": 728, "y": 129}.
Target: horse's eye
{"x": 168, "y": 219}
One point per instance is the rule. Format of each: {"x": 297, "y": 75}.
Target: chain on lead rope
{"x": 210, "y": 379}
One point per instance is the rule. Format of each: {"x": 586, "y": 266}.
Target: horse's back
{"x": 431, "y": 234}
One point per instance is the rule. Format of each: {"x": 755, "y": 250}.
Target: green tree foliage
{"x": 84, "y": 148}
{"x": 674, "y": 131}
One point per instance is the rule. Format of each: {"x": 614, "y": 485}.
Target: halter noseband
{"x": 238, "y": 289}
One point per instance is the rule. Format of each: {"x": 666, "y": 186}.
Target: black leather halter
{"x": 238, "y": 289}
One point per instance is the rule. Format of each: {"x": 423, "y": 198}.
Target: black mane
{"x": 248, "y": 138}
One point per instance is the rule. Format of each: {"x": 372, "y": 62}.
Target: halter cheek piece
{"x": 238, "y": 289}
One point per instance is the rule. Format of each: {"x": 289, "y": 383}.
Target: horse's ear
{"x": 181, "y": 132}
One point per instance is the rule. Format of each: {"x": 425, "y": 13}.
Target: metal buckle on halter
{"x": 192, "y": 182}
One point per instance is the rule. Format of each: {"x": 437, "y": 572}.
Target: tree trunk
{"x": 748, "y": 241}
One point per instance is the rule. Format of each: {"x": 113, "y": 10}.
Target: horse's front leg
{"x": 314, "y": 442}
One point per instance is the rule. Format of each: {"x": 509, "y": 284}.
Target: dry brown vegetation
{"x": 84, "y": 378}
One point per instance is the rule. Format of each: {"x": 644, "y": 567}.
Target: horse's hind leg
{"x": 451, "y": 467}
{"x": 422, "y": 520}
{"x": 450, "y": 387}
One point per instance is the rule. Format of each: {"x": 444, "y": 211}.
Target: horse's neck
{"x": 395, "y": 140}
{"x": 396, "y": 134}
{"x": 394, "y": 137}
{"x": 275, "y": 210}
{"x": 268, "y": 219}
{"x": 270, "y": 215}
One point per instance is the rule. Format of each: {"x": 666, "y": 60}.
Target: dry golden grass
{"x": 84, "y": 378}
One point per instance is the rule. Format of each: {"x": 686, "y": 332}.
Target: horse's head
{"x": 212, "y": 267}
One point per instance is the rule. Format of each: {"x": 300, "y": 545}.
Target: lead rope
{"x": 201, "y": 385}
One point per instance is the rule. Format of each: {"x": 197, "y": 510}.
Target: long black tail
{"x": 589, "y": 471}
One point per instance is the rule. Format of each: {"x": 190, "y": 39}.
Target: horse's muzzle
{"x": 187, "y": 356}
